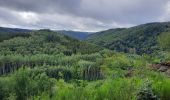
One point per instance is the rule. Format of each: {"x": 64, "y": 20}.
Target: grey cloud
{"x": 125, "y": 11}
{"x": 82, "y": 14}
{"x": 41, "y": 6}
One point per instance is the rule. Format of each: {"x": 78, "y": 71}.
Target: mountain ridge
{"x": 137, "y": 39}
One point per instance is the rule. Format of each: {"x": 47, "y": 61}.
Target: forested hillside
{"x": 139, "y": 39}
{"x": 47, "y": 65}
{"x": 46, "y": 42}
{"x": 84, "y": 49}
{"x": 7, "y": 33}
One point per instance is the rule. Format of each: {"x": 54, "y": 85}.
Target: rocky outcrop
{"x": 162, "y": 67}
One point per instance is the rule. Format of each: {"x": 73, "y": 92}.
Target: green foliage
{"x": 22, "y": 85}
{"x": 90, "y": 71}
{"x": 164, "y": 40}
{"x": 7, "y": 36}
{"x": 46, "y": 42}
{"x": 60, "y": 73}
{"x": 120, "y": 65}
{"x": 165, "y": 90}
{"x": 162, "y": 89}
{"x": 26, "y": 84}
{"x": 2, "y": 92}
{"x": 119, "y": 89}
{"x": 139, "y": 39}
{"x": 146, "y": 92}
{"x": 50, "y": 66}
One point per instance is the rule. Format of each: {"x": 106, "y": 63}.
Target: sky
{"x": 81, "y": 15}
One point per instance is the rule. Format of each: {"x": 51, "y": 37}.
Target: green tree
{"x": 164, "y": 40}
{"x": 2, "y": 90}
{"x": 22, "y": 85}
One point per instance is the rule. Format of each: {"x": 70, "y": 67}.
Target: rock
{"x": 155, "y": 66}
{"x": 166, "y": 63}
{"x": 163, "y": 69}
{"x": 168, "y": 72}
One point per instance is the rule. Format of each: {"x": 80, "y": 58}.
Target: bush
{"x": 23, "y": 85}
{"x": 26, "y": 84}
{"x": 146, "y": 93}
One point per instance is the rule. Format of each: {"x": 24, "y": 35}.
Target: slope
{"x": 46, "y": 42}
{"x": 139, "y": 39}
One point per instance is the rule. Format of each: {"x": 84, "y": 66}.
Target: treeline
{"x": 71, "y": 67}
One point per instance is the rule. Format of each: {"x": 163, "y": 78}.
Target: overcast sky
{"x": 82, "y": 15}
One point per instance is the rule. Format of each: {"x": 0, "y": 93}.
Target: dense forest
{"x": 117, "y": 64}
{"x": 139, "y": 39}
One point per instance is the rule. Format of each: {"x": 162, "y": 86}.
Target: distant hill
{"x": 8, "y": 33}
{"x": 139, "y": 39}
{"x": 12, "y": 30}
{"x": 76, "y": 34}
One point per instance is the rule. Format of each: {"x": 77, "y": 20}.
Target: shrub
{"x": 23, "y": 85}
{"x": 146, "y": 93}
{"x": 27, "y": 84}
